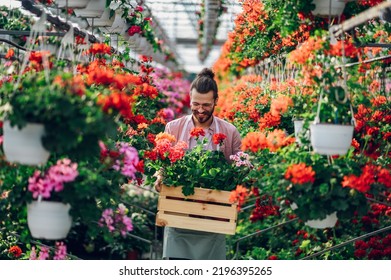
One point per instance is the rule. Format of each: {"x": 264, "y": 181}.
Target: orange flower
{"x": 10, "y": 53}
{"x": 269, "y": 120}
{"x": 163, "y": 135}
{"x": 254, "y": 141}
{"x": 280, "y": 105}
{"x": 277, "y": 139}
{"x": 300, "y": 174}
{"x": 239, "y": 195}
{"x": 142, "y": 126}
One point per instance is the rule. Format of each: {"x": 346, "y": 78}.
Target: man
{"x": 190, "y": 244}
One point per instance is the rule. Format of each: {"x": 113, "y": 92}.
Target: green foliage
{"x": 73, "y": 122}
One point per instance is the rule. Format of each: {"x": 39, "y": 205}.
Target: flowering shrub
{"x": 196, "y": 167}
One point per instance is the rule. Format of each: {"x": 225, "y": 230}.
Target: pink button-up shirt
{"x": 181, "y": 128}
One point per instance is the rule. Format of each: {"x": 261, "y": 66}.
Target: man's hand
{"x": 158, "y": 182}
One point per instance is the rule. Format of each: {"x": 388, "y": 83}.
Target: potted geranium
{"x": 63, "y": 107}
{"x": 196, "y": 182}
{"x": 85, "y": 194}
{"x": 312, "y": 186}
{"x": 197, "y": 167}
{"x": 323, "y": 67}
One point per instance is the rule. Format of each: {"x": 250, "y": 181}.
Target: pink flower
{"x": 33, "y": 254}
{"x": 129, "y": 162}
{"x": 43, "y": 184}
{"x": 107, "y": 219}
{"x": 44, "y": 253}
{"x": 64, "y": 171}
{"x": 40, "y": 185}
{"x": 61, "y": 251}
{"x": 116, "y": 220}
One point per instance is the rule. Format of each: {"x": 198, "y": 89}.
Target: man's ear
{"x": 217, "y": 99}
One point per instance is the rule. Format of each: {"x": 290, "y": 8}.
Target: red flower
{"x": 360, "y": 253}
{"x": 15, "y": 251}
{"x": 273, "y": 257}
{"x": 197, "y": 132}
{"x": 134, "y": 29}
{"x": 218, "y": 138}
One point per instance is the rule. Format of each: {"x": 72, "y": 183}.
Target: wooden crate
{"x": 205, "y": 210}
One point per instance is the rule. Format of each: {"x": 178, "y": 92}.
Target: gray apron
{"x": 191, "y": 244}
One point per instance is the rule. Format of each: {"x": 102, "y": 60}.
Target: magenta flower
{"x": 117, "y": 220}
{"x": 61, "y": 251}
{"x": 130, "y": 160}
{"x": 44, "y": 253}
{"x": 43, "y": 184}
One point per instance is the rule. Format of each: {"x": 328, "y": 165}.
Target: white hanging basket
{"x": 103, "y": 21}
{"x": 118, "y": 23}
{"x": 327, "y": 222}
{"x": 49, "y": 219}
{"x": 325, "y": 8}
{"x": 298, "y": 126}
{"x": 331, "y": 139}
{"x": 94, "y": 9}
{"x": 72, "y": 3}
{"x": 24, "y": 145}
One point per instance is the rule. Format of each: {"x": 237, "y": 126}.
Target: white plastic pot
{"x": 49, "y": 219}
{"x": 94, "y": 9}
{"x": 103, "y": 21}
{"x": 325, "y": 8}
{"x": 331, "y": 139}
{"x": 327, "y": 222}
{"x": 24, "y": 146}
{"x": 72, "y": 3}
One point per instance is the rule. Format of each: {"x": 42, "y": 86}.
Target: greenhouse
{"x": 195, "y": 129}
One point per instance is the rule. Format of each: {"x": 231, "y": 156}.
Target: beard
{"x": 204, "y": 117}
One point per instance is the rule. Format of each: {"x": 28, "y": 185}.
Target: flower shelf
{"x": 205, "y": 210}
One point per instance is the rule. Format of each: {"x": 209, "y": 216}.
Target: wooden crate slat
{"x": 193, "y": 223}
{"x": 197, "y": 208}
{"x": 199, "y": 194}
{"x": 200, "y": 211}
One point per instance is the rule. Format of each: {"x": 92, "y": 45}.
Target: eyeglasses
{"x": 205, "y": 106}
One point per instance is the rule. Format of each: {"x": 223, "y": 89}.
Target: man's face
{"x": 202, "y": 105}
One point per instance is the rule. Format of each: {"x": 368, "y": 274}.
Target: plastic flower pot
{"x": 24, "y": 146}
{"x": 49, "y": 219}
{"x": 331, "y": 139}
{"x": 327, "y": 222}
{"x": 328, "y": 7}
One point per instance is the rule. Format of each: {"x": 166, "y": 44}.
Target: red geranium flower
{"x": 197, "y": 132}
{"x": 15, "y": 251}
{"x": 218, "y": 138}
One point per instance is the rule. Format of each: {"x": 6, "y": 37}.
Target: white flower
{"x": 114, "y": 5}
